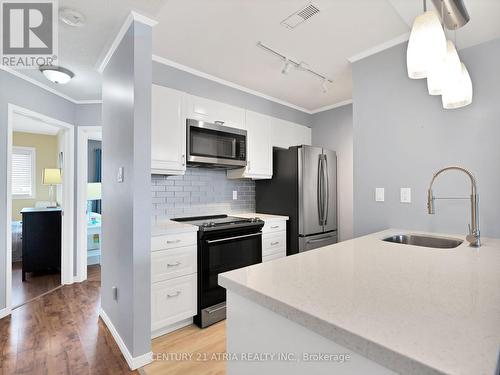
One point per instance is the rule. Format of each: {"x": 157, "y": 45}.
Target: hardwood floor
{"x": 205, "y": 345}
{"x": 61, "y": 333}
{"x": 34, "y": 286}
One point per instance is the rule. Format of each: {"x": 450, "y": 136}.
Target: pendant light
{"x": 457, "y": 91}
{"x": 449, "y": 66}
{"x": 427, "y": 45}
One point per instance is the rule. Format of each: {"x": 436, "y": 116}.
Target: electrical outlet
{"x": 235, "y": 195}
{"x": 379, "y": 194}
{"x": 114, "y": 290}
{"x": 405, "y": 195}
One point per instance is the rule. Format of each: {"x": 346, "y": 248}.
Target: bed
{"x": 93, "y": 238}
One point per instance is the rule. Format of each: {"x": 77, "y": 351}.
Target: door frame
{"x": 85, "y": 133}
{"x": 67, "y": 198}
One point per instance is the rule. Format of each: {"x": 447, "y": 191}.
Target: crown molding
{"x": 379, "y": 48}
{"x": 133, "y": 16}
{"x": 46, "y": 87}
{"x": 222, "y": 81}
{"x": 332, "y": 106}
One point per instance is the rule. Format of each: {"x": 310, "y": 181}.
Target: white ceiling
{"x": 26, "y": 124}
{"x": 219, "y": 37}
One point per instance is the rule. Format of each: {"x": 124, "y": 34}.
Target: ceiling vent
{"x": 300, "y": 16}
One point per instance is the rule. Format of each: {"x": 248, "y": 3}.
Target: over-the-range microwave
{"x": 215, "y": 145}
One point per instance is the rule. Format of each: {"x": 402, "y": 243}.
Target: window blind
{"x": 23, "y": 172}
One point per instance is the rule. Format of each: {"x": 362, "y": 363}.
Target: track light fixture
{"x": 286, "y": 67}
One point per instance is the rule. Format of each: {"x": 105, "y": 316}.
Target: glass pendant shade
{"x": 427, "y": 45}
{"x": 457, "y": 91}
{"x": 450, "y": 65}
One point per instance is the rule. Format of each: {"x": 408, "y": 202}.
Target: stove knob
{"x": 212, "y": 224}
{"x": 204, "y": 225}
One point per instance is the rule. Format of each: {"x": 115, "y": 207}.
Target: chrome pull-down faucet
{"x": 474, "y": 235}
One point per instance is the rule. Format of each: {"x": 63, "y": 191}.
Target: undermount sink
{"x": 425, "y": 241}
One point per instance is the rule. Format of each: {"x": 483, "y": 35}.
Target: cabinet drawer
{"x": 272, "y": 244}
{"x": 273, "y": 256}
{"x": 173, "y": 240}
{"x": 167, "y": 264}
{"x": 172, "y": 301}
{"x": 274, "y": 226}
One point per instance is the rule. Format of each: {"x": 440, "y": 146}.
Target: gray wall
{"x": 22, "y": 93}
{"x": 88, "y": 114}
{"x": 333, "y": 129}
{"x": 200, "y": 191}
{"x": 126, "y": 206}
{"x": 402, "y": 135}
{"x": 168, "y": 76}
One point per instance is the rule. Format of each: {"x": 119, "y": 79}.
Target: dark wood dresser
{"x": 42, "y": 229}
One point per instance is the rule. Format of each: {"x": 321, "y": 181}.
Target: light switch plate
{"x": 405, "y": 195}
{"x": 235, "y": 195}
{"x": 120, "y": 177}
{"x": 379, "y": 194}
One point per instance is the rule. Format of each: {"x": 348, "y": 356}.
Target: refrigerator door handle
{"x": 320, "y": 190}
{"x": 326, "y": 191}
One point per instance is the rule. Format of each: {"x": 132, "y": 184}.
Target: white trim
{"x": 32, "y": 152}
{"x": 171, "y": 328}
{"x": 133, "y": 362}
{"x": 68, "y": 196}
{"x": 5, "y": 312}
{"x": 46, "y": 87}
{"x": 222, "y": 81}
{"x": 332, "y": 106}
{"x": 84, "y": 134}
{"x": 133, "y": 16}
{"x": 379, "y": 48}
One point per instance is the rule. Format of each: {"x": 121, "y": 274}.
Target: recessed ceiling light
{"x": 57, "y": 74}
{"x": 71, "y": 17}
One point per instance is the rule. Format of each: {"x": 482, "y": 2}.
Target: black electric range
{"x": 225, "y": 243}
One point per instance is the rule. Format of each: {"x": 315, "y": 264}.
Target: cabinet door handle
{"x": 183, "y": 160}
{"x": 173, "y": 241}
{"x": 218, "y": 122}
{"x": 174, "y": 294}
{"x": 275, "y": 227}
{"x": 173, "y": 264}
{"x": 274, "y": 243}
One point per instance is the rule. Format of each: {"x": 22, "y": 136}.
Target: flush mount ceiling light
{"x": 427, "y": 45}
{"x": 57, "y": 74}
{"x": 71, "y": 17}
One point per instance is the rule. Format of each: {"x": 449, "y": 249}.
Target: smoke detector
{"x": 71, "y": 17}
{"x": 300, "y": 16}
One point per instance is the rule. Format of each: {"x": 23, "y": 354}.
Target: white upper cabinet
{"x": 168, "y": 127}
{"x": 286, "y": 134}
{"x": 215, "y": 112}
{"x": 259, "y": 148}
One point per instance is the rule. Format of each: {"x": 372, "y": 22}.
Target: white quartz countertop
{"x": 412, "y": 309}
{"x": 166, "y": 227}
{"x": 265, "y": 217}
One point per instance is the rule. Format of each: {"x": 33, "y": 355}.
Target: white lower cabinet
{"x": 173, "y": 301}
{"x": 173, "y": 282}
{"x": 273, "y": 240}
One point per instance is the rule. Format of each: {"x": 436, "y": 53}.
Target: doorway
{"x": 89, "y": 219}
{"x": 40, "y": 203}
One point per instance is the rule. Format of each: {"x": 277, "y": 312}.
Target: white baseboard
{"x": 4, "y": 312}
{"x": 171, "y": 328}
{"x": 133, "y": 362}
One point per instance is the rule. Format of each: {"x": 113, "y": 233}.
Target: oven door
{"x": 221, "y": 253}
{"x": 215, "y": 144}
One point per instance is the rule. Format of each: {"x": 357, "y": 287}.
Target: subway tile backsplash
{"x": 201, "y": 191}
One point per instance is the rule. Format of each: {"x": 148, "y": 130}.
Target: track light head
{"x": 324, "y": 86}
{"x": 286, "y": 67}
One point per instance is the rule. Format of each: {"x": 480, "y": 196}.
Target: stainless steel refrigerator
{"x": 304, "y": 188}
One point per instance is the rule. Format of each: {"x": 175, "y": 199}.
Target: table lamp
{"x": 52, "y": 177}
